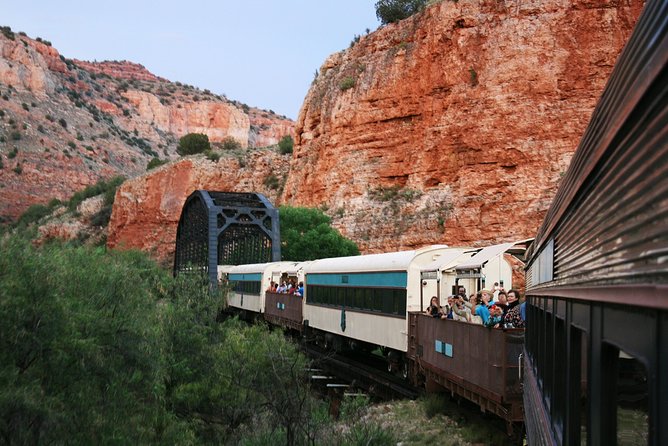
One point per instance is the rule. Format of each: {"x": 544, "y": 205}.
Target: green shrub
{"x": 390, "y": 11}
{"x": 18, "y": 169}
{"x": 7, "y": 32}
{"x": 155, "y": 162}
{"x": 212, "y": 156}
{"x": 15, "y": 135}
{"x": 101, "y": 218}
{"x": 62, "y": 123}
{"x": 271, "y": 181}
{"x": 33, "y": 214}
{"x": 193, "y": 143}
{"x": 231, "y": 144}
{"x": 285, "y": 145}
{"x": 347, "y": 83}
{"x": 474, "y": 77}
{"x": 12, "y": 154}
{"x": 435, "y": 404}
{"x": 306, "y": 234}
{"x": 71, "y": 144}
{"x": 108, "y": 188}
{"x": 25, "y": 106}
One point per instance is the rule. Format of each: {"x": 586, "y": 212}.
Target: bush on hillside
{"x": 230, "y": 143}
{"x": 306, "y": 234}
{"x": 193, "y": 143}
{"x": 106, "y": 187}
{"x": 286, "y": 144}
{"x": 155, "y": 162}
{"x": 104, "y": 347}
{"x": 390, "y": 11}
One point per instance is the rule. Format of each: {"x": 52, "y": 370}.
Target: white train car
{"x": 490, "y": 265}
{"x": 438, "y": 277}
{"x": 366, "y": 298}
{"x": 249, "y": 282}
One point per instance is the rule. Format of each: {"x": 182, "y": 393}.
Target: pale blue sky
{"x": 260, "y": 52}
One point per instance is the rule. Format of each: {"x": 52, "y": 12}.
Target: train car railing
{"x": 478, "y": 363}
{"x": 284, "y": 310}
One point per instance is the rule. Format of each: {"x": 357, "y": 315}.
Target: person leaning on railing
{"x": 434, "y": 309}
{"x": 513, "y": 318}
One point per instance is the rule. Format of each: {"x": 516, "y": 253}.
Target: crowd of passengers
{"x": 287, "y": 287}
{"x": 494, "y": 309}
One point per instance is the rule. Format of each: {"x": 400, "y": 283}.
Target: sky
{"x": 260, "y": 52}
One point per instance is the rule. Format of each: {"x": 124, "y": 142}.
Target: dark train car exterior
{"x": 469, "y": 360}
{"x": 596, "y": 352}
{"x": 284, "y": 310}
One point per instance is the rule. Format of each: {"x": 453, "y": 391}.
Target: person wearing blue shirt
{"x": 482, "y": 307}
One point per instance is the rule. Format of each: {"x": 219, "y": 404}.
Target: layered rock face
{"x": 147, "y": 208}
{"x": 455, "y": 125}
{"x": 65, "y": 124}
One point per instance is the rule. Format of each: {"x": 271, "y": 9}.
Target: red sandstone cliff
{"x": 64, "y": 124}
{"x": 147, "y": 209}
{"x": 455, "y": 125}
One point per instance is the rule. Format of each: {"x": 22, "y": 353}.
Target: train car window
{"x": 632, "y": 401}
{"x": 359, "y": 298}
{"x": 377, "y": 300}
{"x": 387, "y": 301}
{"x": 549, "y": 361}
{"x": 559, "y": 386}
{"x": 350, "y": 298}
{"x": 580, "y": 407}
{"x": 340, "y": 297}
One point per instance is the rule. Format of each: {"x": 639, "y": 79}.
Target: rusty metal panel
{"x": 484, "y": 360}
{"x": 284, "y": 307}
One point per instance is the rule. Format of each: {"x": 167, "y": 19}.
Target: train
{"x": 591, "y": 367}
{"x": 375, "y": 303}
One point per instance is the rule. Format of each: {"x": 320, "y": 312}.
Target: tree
{"x": 193, "y": 143}
{"x": 306, "y": 234}
{"x": 286, "y": 144}
{"x": 390, "y": 11}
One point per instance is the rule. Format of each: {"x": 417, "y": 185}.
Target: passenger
{"x": 514, "y": 317}
{"x": 450, "y": 307}
{"x": 281, "y": 289}
{"x": 502, "y": 301}
{"x": 272, "y": 287}
{"x": 461, "y": 311}
{"x": 434, "y": 309}
{"x": 300, "y": 289}
{"x": 513, "y": 298}
{"x": 481, "y": 308}
{"x": 462, "y": 291}
{"x": 495, "y": 317}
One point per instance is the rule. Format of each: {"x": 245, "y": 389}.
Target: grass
{"x": 438, "y": 420}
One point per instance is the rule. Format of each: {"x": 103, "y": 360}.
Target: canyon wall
{"x": 65, "y": 124}
{"x": 454, "y": 125}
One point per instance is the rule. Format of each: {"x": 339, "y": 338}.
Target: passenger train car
{"x": 249, "y": 283}
{"x": 363, "y": 300}
{"x": 596, "y": 361}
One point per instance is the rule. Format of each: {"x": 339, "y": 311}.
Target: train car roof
{"x": 260, "y": 267}
{"x": 447, "y": 260}
{"x": 489, "y": 252}
{"x": 390, "y": 261}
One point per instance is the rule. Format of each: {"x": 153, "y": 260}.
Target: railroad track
{"x": 352, "y": 374}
